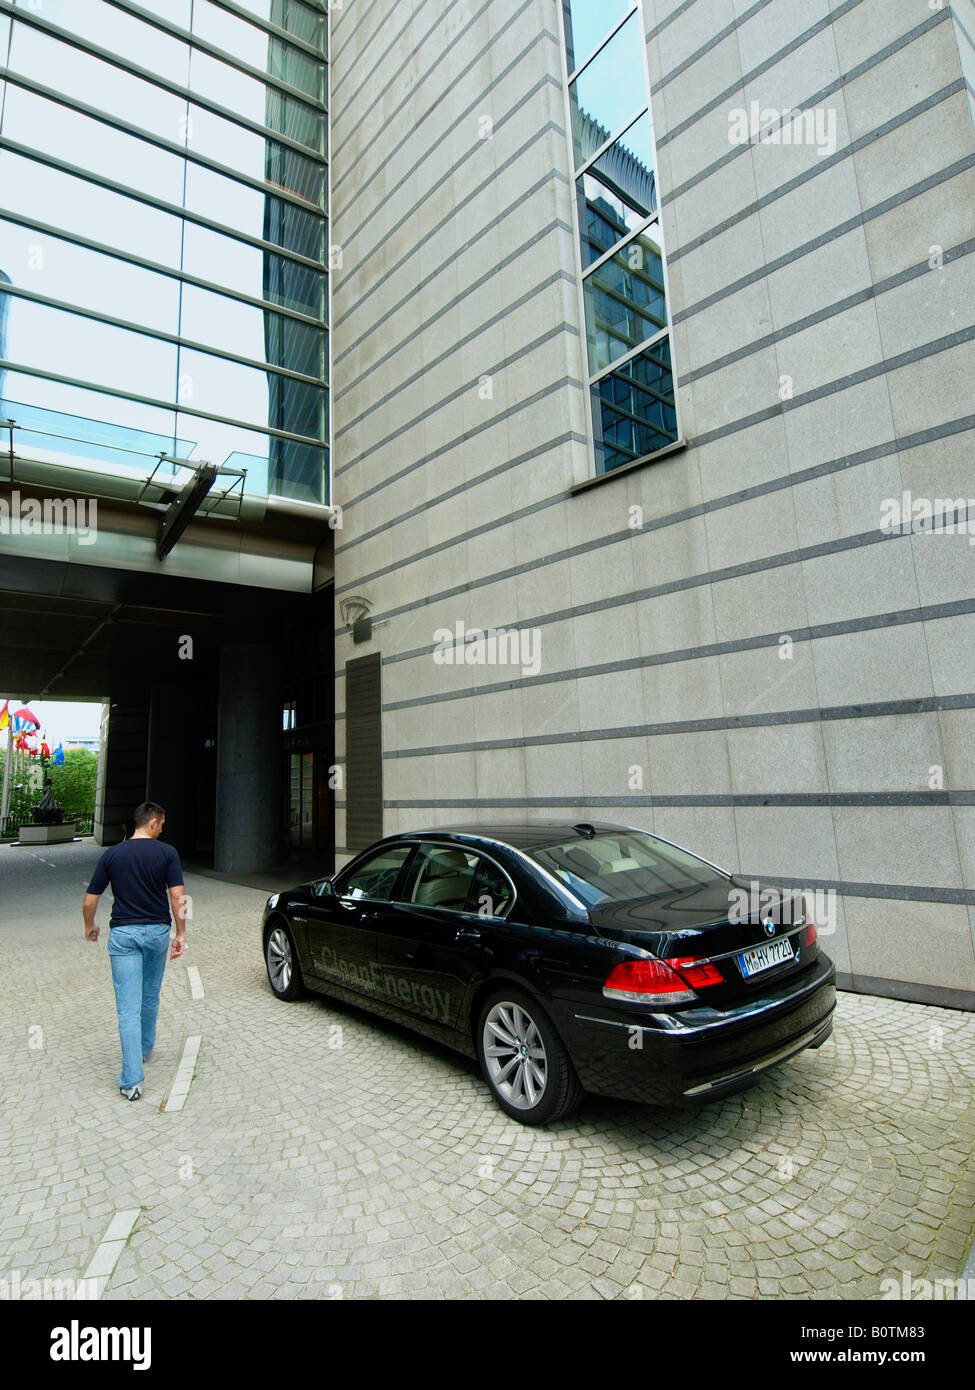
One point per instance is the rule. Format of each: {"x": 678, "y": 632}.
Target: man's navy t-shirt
{"x": 140, "y": 871}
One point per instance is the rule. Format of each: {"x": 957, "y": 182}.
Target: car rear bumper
{"x": 692, "y": 1056}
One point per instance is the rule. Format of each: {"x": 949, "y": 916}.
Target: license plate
{"x": 764, "y": 957}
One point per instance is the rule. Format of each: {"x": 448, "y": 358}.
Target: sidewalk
{"x": 321, "y": 1153}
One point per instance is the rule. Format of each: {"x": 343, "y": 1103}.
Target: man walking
{"x": 141, "y": 871}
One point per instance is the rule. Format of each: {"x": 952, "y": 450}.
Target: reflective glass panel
{"x": 211, "y": 318}
{"x": 231, "y": 33}
{"x": 255, "y": 155}
{"x": 111, "y": 28}
{"x": 625, "y": 302}
{"x": 258, "y": 48}
{"x": 61, "y": 270}
{"x": 294, "y": 228}
{"x": 294, "y": 118}
{"x": 90, "y": 144}
{"x": 618, "y": 192}
{"x": 304, "y": 21}
{"x": 225, "y": 388}
{"x": 609, "y": 92}
{"x": 229, "y": 86}
{"x": 98, "y": 83}
{"x": 297, "y": 69}
{"x": 69, "y": 345}
{"x": 176, "y": 11}
{"x": 91, "y": 424}
{"x": 224, "y": 199}
{"x": 78, "y": 206}
{"x": 252, "y": 271}
{"x": 586, "y": 22}
{"x": 633, "y": 409}
{"x": 297, "y": 346}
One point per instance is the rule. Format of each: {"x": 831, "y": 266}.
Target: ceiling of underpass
{"x": 70, "y": 631}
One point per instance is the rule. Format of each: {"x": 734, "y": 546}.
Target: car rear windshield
{"x": 620, "y": 867}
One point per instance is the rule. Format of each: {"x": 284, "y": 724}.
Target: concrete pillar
{"x": 248, "y": 831}
{"x": 121, "y": 781}
{"x": 171, "y": 772}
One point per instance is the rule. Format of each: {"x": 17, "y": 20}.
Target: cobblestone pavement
{"x": 321, "y": 1153}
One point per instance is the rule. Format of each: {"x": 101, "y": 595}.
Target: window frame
{"x": 591, "y": 379}
{"x": 465, "y": 911}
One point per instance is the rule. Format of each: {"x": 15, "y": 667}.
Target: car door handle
{"x": 466, "y": 934}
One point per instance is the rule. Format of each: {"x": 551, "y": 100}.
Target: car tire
{"x": 523, "y": 1059}
{"x": 281, "y": 959}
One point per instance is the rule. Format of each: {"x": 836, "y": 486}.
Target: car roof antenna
{"x": 584, "y": 828}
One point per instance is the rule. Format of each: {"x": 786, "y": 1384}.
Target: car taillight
{"x": 697, "y": 971}
{"x": 811, "y": 934}
{"x": 647, "y": 982}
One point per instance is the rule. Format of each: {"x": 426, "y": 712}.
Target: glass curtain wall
{"x": 631, "y": 380}
{"x": 163, "y": 233}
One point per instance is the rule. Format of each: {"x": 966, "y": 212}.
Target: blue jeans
{"x": 138, "y": 954}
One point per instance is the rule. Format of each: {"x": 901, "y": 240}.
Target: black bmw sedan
{"x": 565, "y": 958}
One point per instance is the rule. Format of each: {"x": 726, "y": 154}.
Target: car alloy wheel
{"x": 517, "y": 1063}
{"x": 523, "y": 1059}
{"x": 283, "y": 969}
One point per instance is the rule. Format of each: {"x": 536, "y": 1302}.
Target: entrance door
{"x": 301, "y": 800}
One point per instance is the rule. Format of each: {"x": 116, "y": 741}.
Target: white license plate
{"x": 764, "y": 957}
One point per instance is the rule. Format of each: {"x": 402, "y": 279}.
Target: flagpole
{"x": 5, "y": 800}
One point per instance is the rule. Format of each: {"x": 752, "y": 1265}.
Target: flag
{"x": 58, "y": 756}
{"x": 5, "y": 714}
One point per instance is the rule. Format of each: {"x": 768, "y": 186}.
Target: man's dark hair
{"x": 149, "y": 810}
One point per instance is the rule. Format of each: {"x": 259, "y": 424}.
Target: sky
{"x": 62, "y": 720}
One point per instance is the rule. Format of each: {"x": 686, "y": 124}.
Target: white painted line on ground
{"x": 184, "y": 1074}
{"x": 105, "y": 1258}
{"x": 196, "y": 984}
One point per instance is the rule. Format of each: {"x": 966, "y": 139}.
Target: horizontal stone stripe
{"x": 675, "y": 14}
{"x": 938, "y": 995}
{"x": 906, "y": 892}
{"x": 410, "y": 138}
{"x": 872, "y": 623}
{"x": 732, "y": 499}
{"x": 408, "y": 177}
{"x": 732, "y": 799}
{"x": 815, "y": 98}
{"x": 832, "y": 388}
{"x": 458, "y": 442}
{"x": 880, "y": 209}
{"x": 494, "y": 369}
{"x": 404, "y": 385}
{"x": 861, "y": 143}
{"x": 930, "y": 704}
{"x": 830, "y": 311}
{"x": 518, "y": 205}
{"x": 706, "y": 577}
{"x": 706, "y": 48}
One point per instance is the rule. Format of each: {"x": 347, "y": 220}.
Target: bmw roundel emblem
{"x": 769, "y": 926}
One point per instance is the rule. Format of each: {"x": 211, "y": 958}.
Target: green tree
{"x": 74, "y": 782}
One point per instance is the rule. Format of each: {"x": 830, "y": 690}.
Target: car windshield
{"x": 619, "y": 867}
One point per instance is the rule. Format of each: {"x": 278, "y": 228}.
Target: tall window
{"x": 631, "y": 381}
{"x": 163, "y": 168}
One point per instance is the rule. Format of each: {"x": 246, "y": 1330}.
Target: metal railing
{"x": 84, "y": 823}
